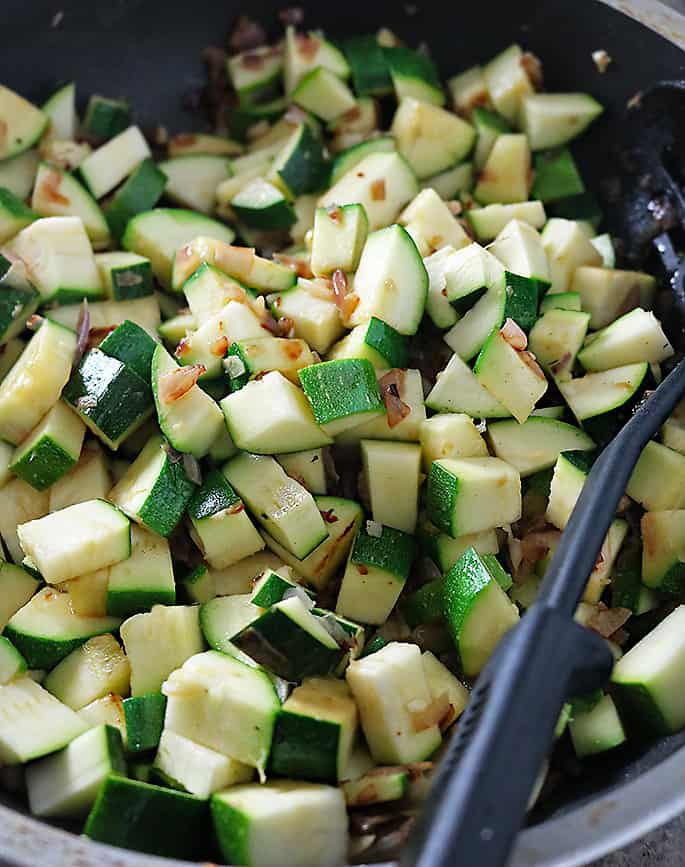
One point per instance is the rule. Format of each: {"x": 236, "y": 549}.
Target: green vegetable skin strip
{"x": 287, "y": 174}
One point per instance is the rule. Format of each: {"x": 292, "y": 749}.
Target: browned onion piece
{"x": 514, "y": 335}
{"x": 174, "y": 385}
{"x": 390, "y": 386}
{"x": 82, "y": 331}
{"x": 605, "y": 621}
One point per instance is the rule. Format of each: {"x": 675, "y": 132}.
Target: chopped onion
{"x": 86, "y": 401}
{"x": 174, "y": 455}
{"x": 601, "y": 59}
{"x": 335, "y": 630}
{"x": 82, "y": 330}
{"x": 191, "y": 465}
{"x": 605, "y": 621}
{"x": 299, "y": 593}
{"x": 174, "y": 385}
{"x": 428, "y": 715}
{"x": 514, "y": 334}
{"x": 374, "y": 529}
{"x": 390, "y": 386}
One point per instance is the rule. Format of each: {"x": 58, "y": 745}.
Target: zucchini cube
{"x": 109, "y": 397}
{"x": 477, "y": 609}
{"x": 97, "y": 668}
{"x": 221, "y": 703}
{"x": 144, "y": 715}
{"x": 125, "y": 276}
{"x": 18, "y": 299}
{"x": 338, "y": 238}
{"x": 272, "y": 587}
{"x": 376, "y": 571}
{"x": 377, "y": 342}
{"x": 315, "y": 731}
{"x": 512, "y": 376}
{"x": 51, "y": 449}
{"x": 389, "y": 686}
{"x": 281, "y": 824}
{"x": 342, "y": 393}
{"x": 392, "y": 474}
{"x": 472, "y": 494}
{"x": 131, "y": 345}
{"x": 663, "y": 551}
{"x": 290, "y": 641}
{"x": 65, "y": 785}
{"x": 147, "y": 818}
{"x": 76, "y": 540}
{"x": 144, "y": 579}
{"x": 195, "y": 768}
{"x": 430, "y": 138}
{"x": 155, "y": 490}
{"x": 222, "y": 528}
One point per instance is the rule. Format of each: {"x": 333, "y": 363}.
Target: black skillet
{"x": 149, "y": 51}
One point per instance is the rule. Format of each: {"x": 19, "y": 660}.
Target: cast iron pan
{"x": 149, "y": 52}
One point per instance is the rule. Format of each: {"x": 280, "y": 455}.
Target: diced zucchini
{"x": 76, "y": 540}
{"x": 456, "y": 389}
{"x": 645, "y": 682}
{"x": 596, "y": 730}
{"x": 570, "y": 472}
{"x": 634, "y": 337}
{"x": 519, "y": 248}
{"x": 222, "y": 527}
{"x": 110, "y": 397}
{"x": 568, "y": 249}
{"x": 18, "y": 301}
{"x": 197, "y": 769}
{"x": 192, "y": 180}
{"x": 511, "y": 375}
{"x": 468, "y": 90}
{"x": 33, "y": 723}
{"x": 352, "y": 156}
{"x": 477, "y": 610}
{"x": 468, "y": 336}
{"x": 56, "y": 193}
{"x": 489, "y": 221}
{"x": 12, "y": 663}
{"x": 261, "y": 205}
{"x": 105, "y": 117}
{"x": 16, "y": 588}
{"x": 553, "y": 119}
{"x": 536, "y": 444}
{"x": 107, "y": 314}
{"x": 300, "y": 167}
{"x": 95, "y": 669}
{"x": 657, "y": 480}
{"x": 343, "y": 519}
{"x": 111, "y": 163}
{"x": 65, "y": 785}
{"x": 159, "y": 233}
{"x": 390, "y": 686}
{"x": 155, "y": 490}
{"x": 87, "y": 480}
{"x": 663, "y": 551}
{"x": 24, "y": 123}
{"x": 188, "y": 417}
{"x": 376, "y": 571}
{"x": 17, "y": 173}
{"x": 507, "y": 82}
{"x": 467, "y": 495}
{"x": 453, "y": 181}
{"x": 144, "y": 715}
{"x": 317, "y": 319}
{"x": 556, "y": 175}
{"x": 377, "y": 342}
{"x": 125, "y": 276}
{"x": 391, "y": 281}
{"x": 306, "y": 467}
{"x": 338, "y": 238}
{"x": 223, "y": 704}
{"x": 305, "y": 52}
{"x": 58, "y": 254}
{"x": 383, "y": 183}
{"x": 139, "y": 192}
{"x": 19, "y": 502}
{"x": 605, "y": 292}
{"x": 342, "y": 393}
{"x": 51, "y": 449}
{"x": 450, "y": 435}
{"x": 431, "y": 224}
{"x": 144, "y": 579}
{"x": 61, "y": 111}
{"x": 281, "y": 823}
{"x": 442, "y": 682}
{"x": 557, "y": 337}
{"x": 45, "y": 630}
{"x": 605, "y": 246}
{"x": 323, "y": 94}
{"x": 505, "y": 177}
{"x": 392, "y": 472}
{"x": 413, "y": 75}
{"x": 147, "y": 818}
{"x": 288, "y": 426}
{"x": 314, "y": 732}
{"x": 222, "y": 618}
{"x": 158, "y": 642}
{"x": 282, "y": 506}
{"x": 430, "y": 138}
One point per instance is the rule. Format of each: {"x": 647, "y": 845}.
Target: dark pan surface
{"x": 149, "y": 52}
